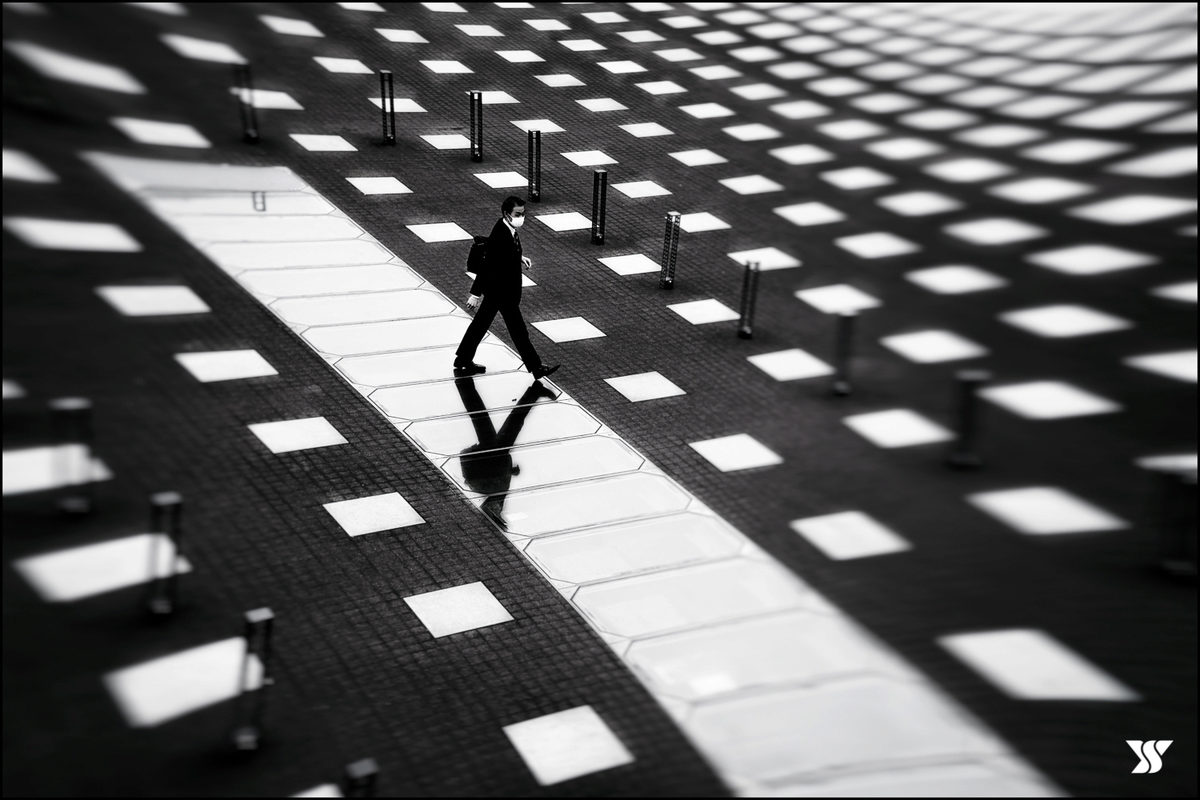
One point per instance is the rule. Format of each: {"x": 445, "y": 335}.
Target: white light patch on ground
{"x": 266, "y": 99}
{"x": 148, "y": 131}
{"x": 1074, "y": 151}
{"x": 1000, "y": 135}
{"x": 12, "y": 390}
{"x": 801, "y": 154}
{"x": 401, "y": 35}
{"x": 752, "y": 132}
{"x": 900, "y": 427}
{"x": 461, "y": 608}
{"x": 447, "y": 67}
{"x": 852, "y": 129}
{"x": 565, "y": 745}
{"x": 347, "y": 66}
{"x": 996, "y": 231}
{"x": 403, "y": 105}
{"x": 636, "y": 189}
{"x": 547, "y": 25}
{"x": 955, "y": 279}
{"x": 919, "y": 204}
{"x": 643, "y": 130}
{"x": 1184, "y": 292}
{"x": 698, "y": 158}
{"x": 1173, "y": 163}
{"x": 1180, "y": 365}
{"x": 20, "y": 166}
{"x": 565, "y": 221}
{"x": 676, "y": 54}
{"x": 740, "y": 451}
{"x": 297, "y": 434}
{"x": 1030, "y": 664}
{"x": 855, "y": 178}
{"x": 292, "y": 27}
{"x": 569, "y": 329}
{"x": 316, "y": 142}
{"x": 641, "y": 37}
{"x": 849, "y": 534}
{"x": 558, "y": 81}
{"x": 790, "y": 365}
{"x": 758, "y": 91}
{"x": 225, "y": 365}
{"x": 1059, "y": 321}
{"x": 602, "y": 104}
{"x": 589, "y": 158}
{"x": 35, "y": 469}
{"x": 151, "y": 301}
{"x": 968, "y": 170}
{"x": 706, "y": 110}
{"x": 661, "y": 87}
{"x": 1041, "y": 190}
{"x": 644, "y": 386}
{"x": 380, "y": 185}
{"x": 72, "y": 574}
{"x": 520, "y": 56}
{"x": 701, "y": 221}
{"x": 543, "y": 125}
{"x": 751, "y": 184}
{"x": 1134, "y": 209}
{"x": 581, "y": 45}
{"x": 156, "y": 691}
{"x": 877, "y": 245}
{"x": 61, "y": 234}
{"x": 635, "y": 264}
{"x": 702, "y": 312}
{"x": 502, "y": 180}
{"x": 202, "y": 49}
{"x": 440, "y": 232}
{"x": 479, "y": 30}
{"x": 812, "y": 213}
{"x": 904, "y": 149}
{"x": 1045, "y": 510}
{"x": 71, "y": 69}
{"x": 324, "y": 789}
{"x": 1090, "y": 259}
{"x": 448, "y": 141}
{"x": 767, "y": 258}
{"x": 364, "y": 515}
{"x": 933, "y": 346}
{"x": 1048, "y": 400}
{"x": 837, "y": 298}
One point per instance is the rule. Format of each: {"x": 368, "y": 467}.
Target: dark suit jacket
{"x": 500, "y": 275}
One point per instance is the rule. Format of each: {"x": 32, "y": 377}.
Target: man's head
{"x": 513, "y": 207}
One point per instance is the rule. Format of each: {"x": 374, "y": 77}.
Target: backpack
{"x": 477, "y": 254}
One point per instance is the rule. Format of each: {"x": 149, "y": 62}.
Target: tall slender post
{"x": 843, "y": 352}
{"x": 599, "y": 201}
{"x": 387, "y": 104}
{"x": 259, "y": 199}
{"x": 245, "y": 85}
{"x": 477, "y": 126}
{"x": 963, "y": 455}
{"x": 166, "y": 549}
{"x": 247, "y": 734}
{"x": 1177, "y": 522}
{"x": 360, "y": 778}
{"x": 535, "y": 166}
{"x": 749, "y": 293}
{"x": 666, "y": 279}
{"x": 71, "y": 419}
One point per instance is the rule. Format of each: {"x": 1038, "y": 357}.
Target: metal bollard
{"x": 535, "y": 166}
{"x": 387, "y": 104}
{"x": 259, "y": 200}
{"x": 963, "y": 455}
{"x": 165, "y": 510}
{"x": 843, "y": 352}
{"x": 749, "y": 293}
{"x": 1177, "y": 522}
{"x": 360, "y": 778}
{"x": 251, "y": 702}
{"x": 71, "y": 418}
{"x": 666, "y": 278}
{"x": 599, "y": 201}
{"x": 477, "y": 126}
{"x": 243, "y": 81}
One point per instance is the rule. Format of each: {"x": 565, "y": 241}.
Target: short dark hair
{"x": 511, "y": 202}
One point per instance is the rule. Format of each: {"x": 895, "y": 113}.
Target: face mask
{"x": 517, "y": 221}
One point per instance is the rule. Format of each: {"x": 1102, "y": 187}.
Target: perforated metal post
{"x": 166, "y": 549}
{"x": 963, "y": 454}
{"x": 251, "y": 702}
{"x": 599, "y": 201}
{"x": 71, "y": 419}
{"x": 535, "y": 166}
{"x": 477, "y": 126}
{"x": 666, "y": 279}
{"x": 843, "y": 351}
{"x": 245, "y": 85}
{"x": 360, "y": 778}
{"x": 749, "y": 293}
{"x": 387, "y": 104}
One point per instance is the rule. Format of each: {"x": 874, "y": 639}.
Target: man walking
{"x": 497, "y": 287}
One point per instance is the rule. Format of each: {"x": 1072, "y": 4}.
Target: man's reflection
{"x": 487, "y": 466}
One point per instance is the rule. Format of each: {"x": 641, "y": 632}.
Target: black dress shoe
{"x": 544, "y": 371}
{"x": 468, "y": 368}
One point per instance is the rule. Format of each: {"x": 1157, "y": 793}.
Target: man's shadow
{"x": 487, "y": 466}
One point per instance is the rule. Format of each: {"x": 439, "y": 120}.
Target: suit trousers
{"x": 510, "y": 309}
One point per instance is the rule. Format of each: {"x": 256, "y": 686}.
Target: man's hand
{"x": 525, "y": 260}
{"x": 473, "y": 301}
